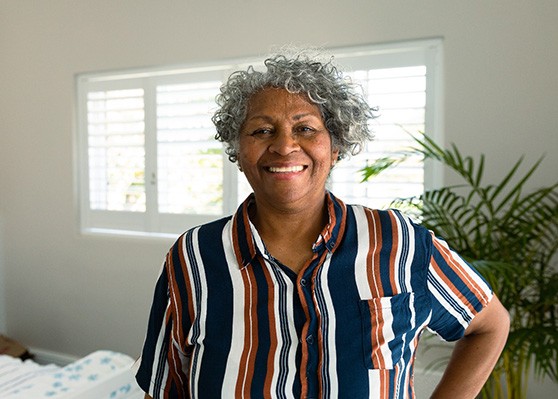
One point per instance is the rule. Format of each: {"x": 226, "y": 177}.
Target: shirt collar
{"x": 247, "y": 243}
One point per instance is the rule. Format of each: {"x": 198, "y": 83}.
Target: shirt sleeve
{"x": 458, "y": 292}
{"x": 163, "y": 366}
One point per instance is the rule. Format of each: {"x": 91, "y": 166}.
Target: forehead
{"x": 280, "y": 100}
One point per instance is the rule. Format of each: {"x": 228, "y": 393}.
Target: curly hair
{"x": 344, "y": 110}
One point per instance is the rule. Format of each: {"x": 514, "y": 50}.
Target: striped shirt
{"x": 228, "y": 320}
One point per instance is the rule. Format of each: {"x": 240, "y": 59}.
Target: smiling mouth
{"x": 287, "y": 169}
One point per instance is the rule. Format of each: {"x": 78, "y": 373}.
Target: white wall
{"x": 72, "y": 293}
{"x": 3, "y": 326}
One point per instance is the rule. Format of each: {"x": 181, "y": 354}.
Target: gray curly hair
{"x": 344, "y": 110}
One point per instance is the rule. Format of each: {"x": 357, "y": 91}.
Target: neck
{"x": 272, "y": 219}
{"x": 289, "y": 235}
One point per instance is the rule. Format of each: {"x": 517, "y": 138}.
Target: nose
{"x": 284, "y": 142}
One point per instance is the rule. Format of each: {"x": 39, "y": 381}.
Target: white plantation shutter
{"x": 400, "y": 95}
{"x": 149, "y": 163}
{"x": 115, "y": 131}
{"x": 190, "y": 160}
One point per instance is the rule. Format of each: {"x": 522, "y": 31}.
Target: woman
{"x": 298, "y": 294}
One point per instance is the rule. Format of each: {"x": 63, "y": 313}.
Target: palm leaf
{"x": 511, "y": 237}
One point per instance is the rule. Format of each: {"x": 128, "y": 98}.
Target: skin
{"x": 286, "y": 154}
{"x": 475, "y": 355}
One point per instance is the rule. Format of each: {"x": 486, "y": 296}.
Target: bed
{"x": 99, "y": 375}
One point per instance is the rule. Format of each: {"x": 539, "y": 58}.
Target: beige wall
{"x": 72, "y": 293}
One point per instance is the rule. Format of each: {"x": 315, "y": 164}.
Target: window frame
{"x": 152, "y": 223}
{"x": 428, "y": 52}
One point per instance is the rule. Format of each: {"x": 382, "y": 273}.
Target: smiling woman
{"x": 286, "y": 153}
{"x": 299, "y": 294}
{"x": 285, "y": 150}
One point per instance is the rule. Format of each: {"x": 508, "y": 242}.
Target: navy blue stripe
{"x": 281, "y": 389}
{"x": 352, "y": 374}
{"x": 385, "y": 252}
{"x": 264, "y": 341}
{"x": 244, "y": 240}
{"x": 218, "y": 324}
{"x": 405, "y": 241}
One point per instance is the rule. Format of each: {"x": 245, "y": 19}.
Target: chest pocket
{"x": 389, "y": 327}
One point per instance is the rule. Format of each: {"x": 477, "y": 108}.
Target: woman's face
{"x": 285, "y": 150}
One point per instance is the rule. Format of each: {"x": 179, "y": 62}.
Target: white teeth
{"x": 286, "y": 169}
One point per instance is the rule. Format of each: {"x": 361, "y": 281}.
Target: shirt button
{"x": 303, "y": 282}
{"x": 310, "y": 339}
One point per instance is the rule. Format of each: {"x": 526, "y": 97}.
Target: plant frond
{"x": 379, "y": 165}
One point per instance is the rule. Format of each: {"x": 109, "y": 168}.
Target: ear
{"x": 334, "y": 156}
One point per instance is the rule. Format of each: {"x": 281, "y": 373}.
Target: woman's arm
{"x": 475, "y": 354}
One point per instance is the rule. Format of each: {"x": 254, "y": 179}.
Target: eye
{"x": 305, "y": 129}
{"x": 261, "y": 132}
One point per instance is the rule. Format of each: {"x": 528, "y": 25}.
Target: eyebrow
{"x": 296, "y": 117}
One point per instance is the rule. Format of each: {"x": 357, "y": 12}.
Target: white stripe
{"x": 387, "y": 330}
{"x": 399, "y": 247}
{"x": 199, "y": 295}
{"x": 329, "y": 331}
{"x": 249, "y": 305}
{"x": 277, "y": 365}
{"x": 410, "y": 237}
{"x": 374, "y": 383}
{"x": 377, "y": 239}
{"x": 363, "y": 237}
{"x": 471, "y": 278}
{"x": 157, "y": 357}
{"x": 445, "y": 303}
{"x": 178, "y": 318}
{"x": 284, "y": 319}
{"x": 237, "y": 336}
{"x": 403, "y": 376}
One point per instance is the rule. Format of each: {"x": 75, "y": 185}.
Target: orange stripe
{"x": 394, "y": 378}
{"x": 248, "y": 357}
{"x": 451, "y": 286}
{"x": 188, "y": 291}
{"x": 304, "y": 333}
{"x": 236, "y": 247}
{"x": 465, "y": 277}
{"x": 253, "y": 333}
{"x": 272, "y": 333}
{"x": 384, "y": 384}
{"x": 176, "y": 373}
{"x": 247, "y": 234}
{"x": 373, "y": 256}
{"x": 176, "y": 332}
{"x": 175, "y": 298}
{"x": 320, "y": 336}
{"x": 393, "y": 254}
{"x": 377, "y": 325}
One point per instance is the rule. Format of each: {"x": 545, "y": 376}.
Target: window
{"x": 149, "y": 163}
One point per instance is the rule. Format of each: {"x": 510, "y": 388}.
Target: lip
{"x": 285, "y": 168}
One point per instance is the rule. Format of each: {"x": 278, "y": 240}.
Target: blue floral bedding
{"x": 99, "y": 375}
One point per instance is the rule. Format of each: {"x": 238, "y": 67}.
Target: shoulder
{"x": 208, "y": 230}
{"x": 387, "y": 216}
{"x": 389, "y": 225}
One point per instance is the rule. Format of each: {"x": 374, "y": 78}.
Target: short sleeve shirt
{"x": 229, "y": 320}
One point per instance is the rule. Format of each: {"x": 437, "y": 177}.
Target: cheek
{"x": 248, "y": 155}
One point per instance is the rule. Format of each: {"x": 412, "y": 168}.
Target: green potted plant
{"x": 511, "y": 237}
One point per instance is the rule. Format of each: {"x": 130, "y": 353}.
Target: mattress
{"x": 99, "y": 375}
